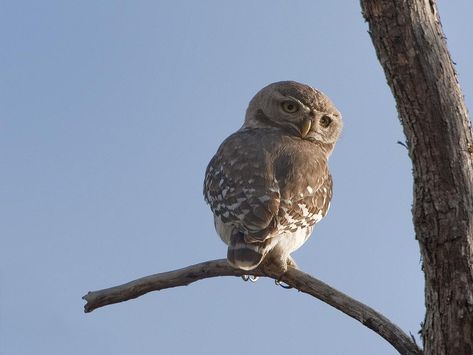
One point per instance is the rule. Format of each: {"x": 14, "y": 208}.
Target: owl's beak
{"x": 305, "y": 127}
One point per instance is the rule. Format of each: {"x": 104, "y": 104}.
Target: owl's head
{"x": 296, "y": 108}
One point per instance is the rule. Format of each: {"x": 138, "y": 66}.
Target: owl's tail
{"x": 244, "y": 255}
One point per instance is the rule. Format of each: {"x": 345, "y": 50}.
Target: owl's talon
{"x": 250, "y": 278}
{"x": 283, "y": 285}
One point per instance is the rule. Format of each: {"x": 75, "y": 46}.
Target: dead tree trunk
{"x": 411, "y": 48}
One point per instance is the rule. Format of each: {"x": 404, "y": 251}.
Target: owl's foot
{"x": 291, "y": 263}
{"x": 275, "y": 265}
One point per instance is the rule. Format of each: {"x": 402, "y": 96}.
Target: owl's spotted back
{"x": 268, "y": 183}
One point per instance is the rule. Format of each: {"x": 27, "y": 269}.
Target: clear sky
{"x": 109, "y": 114}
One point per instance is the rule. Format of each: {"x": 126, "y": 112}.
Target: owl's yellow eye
{"x": 325, "y": 121}
{"x": 290, "y": 106}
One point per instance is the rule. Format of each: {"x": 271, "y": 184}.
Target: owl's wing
{"x": 240, "y": 186}
{"x": 306, "y": 208}
{"x": 305, "y": 186}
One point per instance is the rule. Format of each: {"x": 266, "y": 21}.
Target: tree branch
{"x": 294, "y": 278}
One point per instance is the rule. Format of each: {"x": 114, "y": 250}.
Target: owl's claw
{"x": 250, "y": 278}
{"x": 283, "y": 285}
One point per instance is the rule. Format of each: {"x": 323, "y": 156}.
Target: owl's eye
{"x": 325, "y": 121}
{"x": 290, "y": 106}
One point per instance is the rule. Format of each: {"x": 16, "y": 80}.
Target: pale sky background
{"x": 109, "y": 114}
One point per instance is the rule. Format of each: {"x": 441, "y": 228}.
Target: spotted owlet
{"x": 269, "y": 182}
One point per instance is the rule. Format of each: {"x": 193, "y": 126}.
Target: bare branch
{"x": 294, "y": 278}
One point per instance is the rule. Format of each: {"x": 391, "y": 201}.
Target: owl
{"x": 269, "y": 182}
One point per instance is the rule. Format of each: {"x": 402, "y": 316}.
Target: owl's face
{"x": 296, "y": 108}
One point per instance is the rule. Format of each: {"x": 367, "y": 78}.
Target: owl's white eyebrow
{"x": 301, "y": 104}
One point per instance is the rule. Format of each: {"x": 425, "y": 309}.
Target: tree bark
{"x": 412, "y": 50}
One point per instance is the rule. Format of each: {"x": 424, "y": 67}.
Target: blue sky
{"x": 109, "y": 114}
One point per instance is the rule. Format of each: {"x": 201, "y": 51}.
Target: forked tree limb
{"x": 294, "y": 278}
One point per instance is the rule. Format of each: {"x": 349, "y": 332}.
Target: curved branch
{"x": 294, "y": 278}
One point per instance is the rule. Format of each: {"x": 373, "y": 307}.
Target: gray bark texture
{"x": 412, "y": 50}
